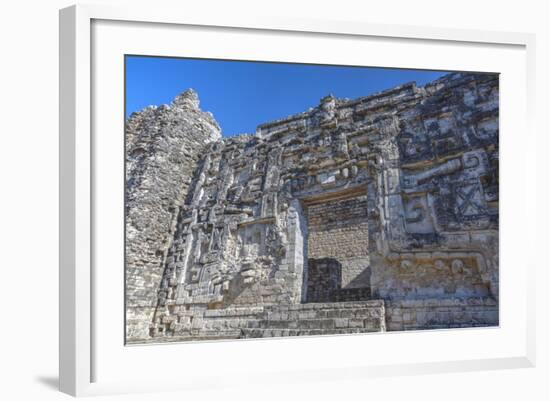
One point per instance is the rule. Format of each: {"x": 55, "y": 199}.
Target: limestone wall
{"x": 163, "y": 145}
{"x": 337, "y": 248}
{"x": 391, "y": 197}
{"x": 441, "y": 313}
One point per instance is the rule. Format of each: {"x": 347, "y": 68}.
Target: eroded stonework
{"x": 373, "y": 214}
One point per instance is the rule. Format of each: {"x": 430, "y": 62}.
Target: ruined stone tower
{"x": 373, "y": 214}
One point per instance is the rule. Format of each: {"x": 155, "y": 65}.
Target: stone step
{"x": 341, "y": 295}
{"x": 233, "y": 312}
{"x": 375, "y": 303}
{"x": 332, "y": 313}
{"x": 263, "y": 333}
{"x": 325, "y": 324}
{"x": 199, "y": 335}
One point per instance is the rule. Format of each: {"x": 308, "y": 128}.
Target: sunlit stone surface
{"x": 373, "y": 214}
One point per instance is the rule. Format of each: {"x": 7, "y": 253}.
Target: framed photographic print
{"x": 289, "y": 197}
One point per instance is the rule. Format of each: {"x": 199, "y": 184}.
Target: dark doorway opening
{"x": 338, "y": 266}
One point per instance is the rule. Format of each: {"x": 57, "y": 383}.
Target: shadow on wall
{"x": 360, "y": 280}
{"x": 324, "y": 279}
{"x": 324, "y": 283}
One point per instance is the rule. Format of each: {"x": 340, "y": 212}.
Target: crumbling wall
{"x": 163, "y": 145}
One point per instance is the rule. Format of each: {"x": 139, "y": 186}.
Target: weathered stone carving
{"x": 359, "y": 215}
{"x": 163, "y": 145}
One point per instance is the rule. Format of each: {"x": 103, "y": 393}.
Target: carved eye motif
{"x": 415, "y": 214}
{"x": 406, "y": 264}
{"x": 457, "y": 266}
{"x": 440, "y": 265}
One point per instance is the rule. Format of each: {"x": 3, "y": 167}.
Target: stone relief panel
{"x": 392, "y": 197}
{"x": 418, "y": 214}
{"x": 432, "y": 275}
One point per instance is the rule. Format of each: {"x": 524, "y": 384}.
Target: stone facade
{"x": 373, "y": 214}
{"x": 163, "y": 146}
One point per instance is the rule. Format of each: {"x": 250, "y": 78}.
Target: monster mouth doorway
{"x": 337, "y": 267}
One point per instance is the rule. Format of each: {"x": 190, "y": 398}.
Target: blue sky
{"x": 243, "y": 94}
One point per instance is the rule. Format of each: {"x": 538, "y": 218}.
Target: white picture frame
{"x": 84, "y": 349}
